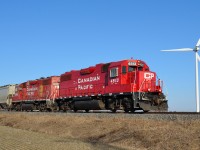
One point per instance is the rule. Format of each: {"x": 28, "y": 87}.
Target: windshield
{"x": 134, "y": 68}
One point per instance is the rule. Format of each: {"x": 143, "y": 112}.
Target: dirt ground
{"x": 18, "y": 139}
{"x": 27, "y": 131}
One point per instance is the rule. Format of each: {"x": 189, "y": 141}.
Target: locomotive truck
{"x": 127, "y": 85}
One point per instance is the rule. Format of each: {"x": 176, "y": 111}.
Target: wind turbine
{"x": 197, "y": 58}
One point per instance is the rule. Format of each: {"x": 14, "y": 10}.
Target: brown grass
{"x": 125, "y": 133}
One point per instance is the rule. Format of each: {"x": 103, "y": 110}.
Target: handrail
{"x": 141, "y": 87}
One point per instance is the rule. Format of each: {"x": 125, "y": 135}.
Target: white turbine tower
{"x": 197, "y": 58}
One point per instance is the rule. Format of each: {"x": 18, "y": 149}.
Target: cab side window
{"x": 114, "y": 72}
{"x": 123, "y": 69}
{"x": 140, "y": 68}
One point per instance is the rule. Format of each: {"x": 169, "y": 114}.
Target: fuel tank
{"x": 88, "y": 104}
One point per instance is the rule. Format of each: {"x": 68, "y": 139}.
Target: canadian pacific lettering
{"x": 85, "y": 87}
{"x": 30, "y": 91}
{"x": 87, "y": 80}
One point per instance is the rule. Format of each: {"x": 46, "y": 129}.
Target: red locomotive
{"x": 127, "y": 85}
{"x": 36, "y": 94}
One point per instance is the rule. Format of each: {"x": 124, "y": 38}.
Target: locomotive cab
{"x": 147, "y": 90}
{"x": 132, "y": 86}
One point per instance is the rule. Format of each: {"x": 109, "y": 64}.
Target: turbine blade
{"x": 198, "y": 57}
{"x": 178, "y": 50}
{"x": 198, "y": 43}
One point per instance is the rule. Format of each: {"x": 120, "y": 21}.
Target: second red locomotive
{"x": 127, "y": 85}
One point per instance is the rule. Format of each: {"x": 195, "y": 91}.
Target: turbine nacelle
{"x": 196, "y": 48}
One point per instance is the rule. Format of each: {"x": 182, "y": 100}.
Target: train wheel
{"x": 42, "y": 107}
{"x": 126, "y": 110}
{"x": 132, "y": 110}
{"x": 114, "y": 110}
{"x": 49, "y": 109}
{"x": 75, "y": 110}
{"x": 17, "y": 107}
{"x": 87, "y": 110}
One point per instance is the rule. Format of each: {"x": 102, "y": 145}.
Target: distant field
{"x": 47, "y": 131}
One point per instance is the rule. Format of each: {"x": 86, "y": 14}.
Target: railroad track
{"x": 108, "y": 112}
{"x": 167, "y": 116}
{"x": 178, "y": 113}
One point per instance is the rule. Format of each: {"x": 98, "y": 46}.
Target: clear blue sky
{"x": 40, "y": 38}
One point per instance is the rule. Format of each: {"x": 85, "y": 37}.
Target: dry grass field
{"x": 92, "y": 132}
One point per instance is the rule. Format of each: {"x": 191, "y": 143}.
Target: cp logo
{"x": 148, "y": 75}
